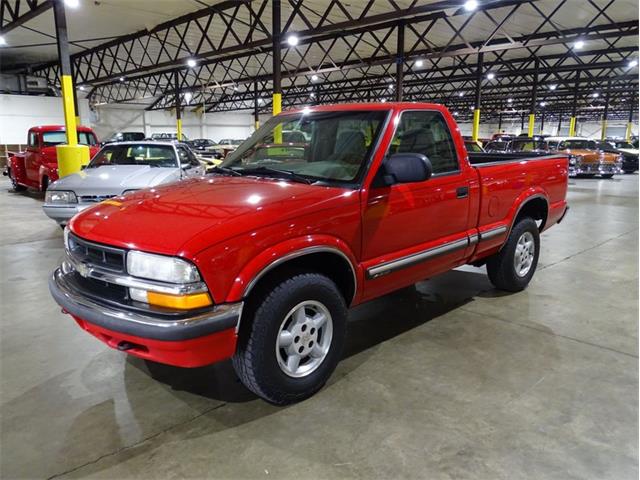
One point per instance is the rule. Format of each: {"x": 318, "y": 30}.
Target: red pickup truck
{"x": 37, "y": 167}
{"x": 260, "y": 260}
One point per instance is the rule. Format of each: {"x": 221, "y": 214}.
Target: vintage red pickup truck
{"x": 37, "y": 166}
{"x": 260, "y": 260}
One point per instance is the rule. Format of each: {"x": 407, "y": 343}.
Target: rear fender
{"x": 16, "y": 165}
{"x": 521, "y": 201}
{"x": 291, "y": 249}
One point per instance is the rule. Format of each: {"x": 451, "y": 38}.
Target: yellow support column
{"x": 532, "y": 121}
{"x": 71, "y": 157}
{"x": 277, "y": 108}
{"x": 627, "y": 135}
{"x": 475, "y": 129}
{"x": 179, "y": 129}
{"x": 572, "y": 127}
{"x": 257, "y": 124}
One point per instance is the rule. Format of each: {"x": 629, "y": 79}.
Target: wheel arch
{"x": 534, "y": 205}
{"x": 329, "y": 257}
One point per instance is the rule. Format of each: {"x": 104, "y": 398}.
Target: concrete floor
{"x": 450, "y": 379}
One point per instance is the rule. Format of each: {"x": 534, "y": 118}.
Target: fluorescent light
{"x": 595, "y": 94}
{"x": 419, "y": 63}
{"x": 470, "y": 5}
{"x": 312, "y": 94}
{"x": 632, "y": 63}
{"x": 191, "y": 63}
{"x": 543, "y": 104}
{"x": 314, "y": 78}
{"x": 461, "y": 94}
{"x": 578, "y": 44}
{"x": 390, "y": 86}
{"x": 292, "y": 40}
{"x": 72, "y": 3}
{"x": 81, "y": 88}
{"x": 491, "y": 76}
{"x": 553, "y": 87}
{"x": 121, "y": 79}
{"x": 384, "y": 100}
{"x": 509, "y": 100}
{"x": 2, "y": 40}
{"x": 455, "y": 114}
{"x": 472, "y": 108}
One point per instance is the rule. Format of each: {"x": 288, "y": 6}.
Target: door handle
{"x": 462, "y": 192}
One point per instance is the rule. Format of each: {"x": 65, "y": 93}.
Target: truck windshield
{"x": 51, "y": 139}
{"x": 528, "y": 145}
{"x": 151, "y": 155}
{"x": 328, "y": 146}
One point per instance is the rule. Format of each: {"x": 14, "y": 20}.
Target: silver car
{"x": 118, "y": 169}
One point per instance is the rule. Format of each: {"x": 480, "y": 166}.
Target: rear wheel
{"x": 292, "y": 338}
{"x": 512, "y": 268}
{"x": 629, "y": 171}
{"x": 16, "y": 186}
{"x": 607, "y": 175}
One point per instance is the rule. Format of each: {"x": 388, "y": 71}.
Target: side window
{"x": 426, "y": 132}
{"x": 187, "y": 157}
{"x": 33, "y": 139}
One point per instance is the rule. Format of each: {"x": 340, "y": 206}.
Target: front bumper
{"x": 63, "y": 213}
{"x": 595, "y": 168}
{"x": 187, "y": 341}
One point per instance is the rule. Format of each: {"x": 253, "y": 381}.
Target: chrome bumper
{"x": 144, "y": 325}
{"x": 63, "y": 213}
{"x": 595, "y": 168}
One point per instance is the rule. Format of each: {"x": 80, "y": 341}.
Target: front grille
{"x": 100, "y": 256}
{"x": 94, "y": 198}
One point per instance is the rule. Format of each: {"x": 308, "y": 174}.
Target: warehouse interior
{"x": 449, "y": 378}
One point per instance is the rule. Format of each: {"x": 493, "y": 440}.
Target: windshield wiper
{"x": 288, "y": 174}
{"x": 223, "y": 171}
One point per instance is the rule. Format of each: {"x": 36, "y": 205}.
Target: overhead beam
{"x": 12, "y": 16}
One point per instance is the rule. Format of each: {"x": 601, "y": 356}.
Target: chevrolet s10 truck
{"x": 260, "y": 260}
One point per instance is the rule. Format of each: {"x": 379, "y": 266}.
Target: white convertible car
{"x": 118, "y": 169}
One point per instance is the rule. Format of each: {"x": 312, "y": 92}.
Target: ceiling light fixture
{"x": 491, "y": 76}
{"x": 553, "y": 87}
{"x": 314, "y": 78}
{"x": 2, "y": 41}
{"x": 121, "y": 79}
{"x": 72, "y": 3}
{"x": 461, "y": 94}
{"x": 292, "y": 40}
{"x": 632, "y": 63}
{"x": 578, "y": 44}
{"x": 419, "y": 63}
{"x": 191, "y": 63}
{"x": 509, "y": 100}
{"x": 470, "y": 5}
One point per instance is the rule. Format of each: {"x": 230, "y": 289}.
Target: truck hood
{"x": 173, "y": 219}
{"x": 115, "y": 179}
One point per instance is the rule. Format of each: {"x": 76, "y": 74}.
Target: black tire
{"x": 255, "y": 360}
{"x": 607, "y": 175}
{"x": 502, "y": 266}
{"x": 629, "y": 172}
{"x": 16, "y": 186}
{"x": 45, "y": 183}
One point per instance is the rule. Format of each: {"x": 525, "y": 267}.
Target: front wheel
{"x": 292, "y": 338}
{"x": 512, "y": 268}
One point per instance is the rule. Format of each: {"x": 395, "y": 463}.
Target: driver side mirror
{"x": 406, "y": 168}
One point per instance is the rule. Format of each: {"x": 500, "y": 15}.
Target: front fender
{"x": 282, "y": 252}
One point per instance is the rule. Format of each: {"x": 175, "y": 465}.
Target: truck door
{"x": 32, "y": 158}
{"x": 415, "y": 230}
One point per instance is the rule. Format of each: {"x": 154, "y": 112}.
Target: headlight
{"x": 60, "y": 197}
{"x": 161, "y": 268}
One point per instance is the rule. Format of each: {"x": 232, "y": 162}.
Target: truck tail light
{"x": 188, "y": 301}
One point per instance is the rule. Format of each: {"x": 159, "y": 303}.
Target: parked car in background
{"x": 37, "y": 166}
{"x": 201, "y": 144}
{"x": 586, "y": 159}
{"x": 260, "y": 261}
{"x": 124, "y": 137}
{"x": 628, "y": 152}
{"x": 167, "y": 137}
{"x": 518, "y": 144}
{"x": 120, "y": 169}
{"x": 230, "y": 142}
